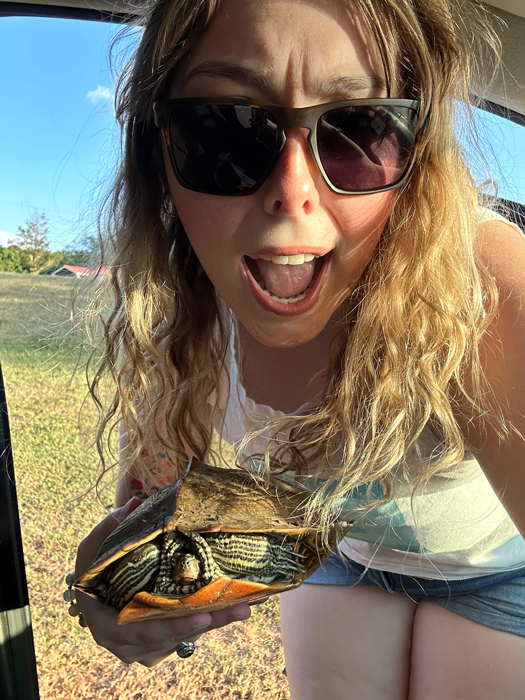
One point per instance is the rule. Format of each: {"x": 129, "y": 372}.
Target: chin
{"x": 283, "y": 333}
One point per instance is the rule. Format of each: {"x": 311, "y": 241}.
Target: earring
{"x": 167, "y": 206}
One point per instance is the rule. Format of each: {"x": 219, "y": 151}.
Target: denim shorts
{"x": 496, "y": 601}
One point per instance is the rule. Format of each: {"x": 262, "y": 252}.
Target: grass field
{"x": 54, "y": 468}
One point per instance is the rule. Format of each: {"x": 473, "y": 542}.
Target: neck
{"x": 285, "y": 378}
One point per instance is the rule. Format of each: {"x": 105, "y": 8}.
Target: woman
{"x": 355, "y": 319}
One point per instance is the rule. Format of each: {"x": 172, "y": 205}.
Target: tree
{"x": 32, "y": 240}
{"x": 10, "y": 260}
{"x": 84, "y": 252}
{"x": 88, "y": 251}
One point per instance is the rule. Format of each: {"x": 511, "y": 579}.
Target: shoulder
{"x": 500, "y": 247}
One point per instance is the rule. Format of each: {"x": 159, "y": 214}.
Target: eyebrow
{"x": 335, "y": 86}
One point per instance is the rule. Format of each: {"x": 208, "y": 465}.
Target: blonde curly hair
{"x": 406, "y": 355}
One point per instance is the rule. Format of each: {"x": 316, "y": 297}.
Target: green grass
{"x": 40, "y": 350}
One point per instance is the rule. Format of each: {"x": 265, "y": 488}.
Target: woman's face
{"x": 294, "y": 53}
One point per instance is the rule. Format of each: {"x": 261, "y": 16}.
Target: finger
{"x": 151, "y": 634}
{"x": 151, "y": 656}
{"x": 100, "y": 618}
{"x": 150, "y": 641}
{"x": 88, "y": 548}
{"x": 237, "y": 613}
{"x": 172, "y": 631}
{"x": 152, "y": 660}
{"x": 258, "y": 602}
{"x": 220, "y": 618}
{"x": 167, "y": 634}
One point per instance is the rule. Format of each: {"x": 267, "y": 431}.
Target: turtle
{"x": 211, "y": 539}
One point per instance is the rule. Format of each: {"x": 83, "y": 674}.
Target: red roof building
{"x": 78, "y": 271}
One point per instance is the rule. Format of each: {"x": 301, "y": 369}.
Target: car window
{"x": 502, "y": 143}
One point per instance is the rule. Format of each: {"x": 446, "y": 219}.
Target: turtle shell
{"x": 212, "y": 539}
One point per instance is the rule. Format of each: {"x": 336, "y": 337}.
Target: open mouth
{"x": 286, "y": 279}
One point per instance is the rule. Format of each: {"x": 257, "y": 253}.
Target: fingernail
{"x": 241, "y": 618}
{"x": 244, "y": 615}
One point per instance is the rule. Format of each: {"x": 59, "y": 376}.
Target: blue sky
{"x": 58, "y": 139}
{"x": 59, "y": 142}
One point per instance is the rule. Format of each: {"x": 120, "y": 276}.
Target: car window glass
{"x": 502, "y": 145}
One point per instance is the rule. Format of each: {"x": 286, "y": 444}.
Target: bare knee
{"x": 343, "y": 642}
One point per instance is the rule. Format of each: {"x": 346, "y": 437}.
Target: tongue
{"x": 285, "y": 280}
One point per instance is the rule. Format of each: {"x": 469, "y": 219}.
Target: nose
{"x": 292, "y": 187}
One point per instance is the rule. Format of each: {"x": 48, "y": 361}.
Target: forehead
{"x": 291, "y": 45}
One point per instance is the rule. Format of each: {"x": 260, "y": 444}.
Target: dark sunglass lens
{"x": 222, "y": 149}
{"x": 364, "y": 148}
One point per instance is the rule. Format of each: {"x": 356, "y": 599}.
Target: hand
{"x": 151, "y": 641}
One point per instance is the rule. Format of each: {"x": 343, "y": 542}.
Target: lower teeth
{"x": 287, "y": 300}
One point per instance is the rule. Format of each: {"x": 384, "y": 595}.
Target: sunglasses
{"x": 230, "y": 147}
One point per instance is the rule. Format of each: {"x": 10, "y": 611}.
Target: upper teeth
{"x": 290, "y": 259}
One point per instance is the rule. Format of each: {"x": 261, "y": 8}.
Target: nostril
{"x": 292, "y": 187}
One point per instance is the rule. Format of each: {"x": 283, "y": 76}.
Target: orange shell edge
{"x": 221, "y": 593}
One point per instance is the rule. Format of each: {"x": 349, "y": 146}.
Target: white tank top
{"x": 457, "y": 528}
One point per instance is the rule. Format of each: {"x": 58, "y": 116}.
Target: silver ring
{"x": 185, "y": 649}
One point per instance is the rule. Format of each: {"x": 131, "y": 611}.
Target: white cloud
{"x": 101, "y": 93}
{"x": 5, "y": 237}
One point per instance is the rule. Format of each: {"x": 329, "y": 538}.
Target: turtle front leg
{"x": 132, "y": 573}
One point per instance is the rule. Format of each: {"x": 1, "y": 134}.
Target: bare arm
{"x": 502, "y": 249}
{"x": 154, "y": 460}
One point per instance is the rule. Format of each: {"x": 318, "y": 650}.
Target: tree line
{"x": 30, "y": 252}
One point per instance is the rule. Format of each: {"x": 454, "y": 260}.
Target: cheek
{"x": 361, "y": 222}
{"x": 199, "y": 213}
{"x": 203, "y": 215}
{"x": 364, "y": 217}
